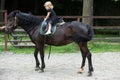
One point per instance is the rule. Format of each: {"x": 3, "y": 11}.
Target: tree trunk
{"x": 87, "y": 11}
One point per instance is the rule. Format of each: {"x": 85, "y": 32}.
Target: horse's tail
{"x": 90, "y": 32}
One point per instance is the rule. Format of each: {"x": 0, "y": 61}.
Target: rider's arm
{"x": 48, "y": 15}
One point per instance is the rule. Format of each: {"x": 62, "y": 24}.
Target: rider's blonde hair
{"x": 49, "y": 4}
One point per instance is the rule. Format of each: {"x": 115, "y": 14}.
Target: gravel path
{"x": 59, "y": 67}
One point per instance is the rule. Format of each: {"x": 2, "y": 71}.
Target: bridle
{"x": 14, "y": 25}
{"x": 15, "y": 21}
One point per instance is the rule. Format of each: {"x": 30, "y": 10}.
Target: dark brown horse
{"x": 69, "y": 32}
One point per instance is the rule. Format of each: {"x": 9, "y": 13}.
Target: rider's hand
{"x": 44, "y": 19}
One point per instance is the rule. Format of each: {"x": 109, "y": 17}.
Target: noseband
{"x": 15, "y": 21}
{"x": 14, "y": 24}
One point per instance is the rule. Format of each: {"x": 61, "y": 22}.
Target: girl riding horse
{"x": 51, "y": 17}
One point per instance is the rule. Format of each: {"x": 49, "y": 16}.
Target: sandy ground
{"x": 59, "y": 67}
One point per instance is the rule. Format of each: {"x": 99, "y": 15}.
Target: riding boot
{"x": 49, "y": 30}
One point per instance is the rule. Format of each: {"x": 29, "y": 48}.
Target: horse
{"x": 69, "y": 32}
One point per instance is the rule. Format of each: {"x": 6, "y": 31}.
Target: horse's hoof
{"x": 81, "y": 71}
{"x": 37, "y": 68}
{"x": 89, "y": 74}
{"x": 41, "y": 71}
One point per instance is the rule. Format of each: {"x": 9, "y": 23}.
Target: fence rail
{"x": 78, "y": 18}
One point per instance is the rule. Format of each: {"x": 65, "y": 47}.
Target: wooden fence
{"x": 3, "y": 21}
{"x": 18, "y": 38}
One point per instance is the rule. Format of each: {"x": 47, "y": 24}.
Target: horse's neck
{"x": 28, "y": 30}
{"x": 28, "y": 25}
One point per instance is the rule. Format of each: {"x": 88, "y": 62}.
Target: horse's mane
{"x": 26, "y": 18}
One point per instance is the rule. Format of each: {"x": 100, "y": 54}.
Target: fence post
{"x": 5, "y": 36}
{"x": 78, "y": 19}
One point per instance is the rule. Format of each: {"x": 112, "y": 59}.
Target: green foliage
{"x": 96, "y": 47}
{"x": 18, "y": 50}
{"x": 70, "y": 48}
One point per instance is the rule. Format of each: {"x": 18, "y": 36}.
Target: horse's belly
{"x": 59, "y": 41}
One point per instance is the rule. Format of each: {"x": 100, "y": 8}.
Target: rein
{"x": 49, "y": 47}
{"x": 13, "y": 41}
{"x": 49, "y": 52}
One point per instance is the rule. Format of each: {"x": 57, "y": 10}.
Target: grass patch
{"x": 70, "y": 48}
{"x": 97, "y": 47}
{"x": 18, "y": 50}
{"x": 94, "y": 47}
{"x": 104, "y": 36}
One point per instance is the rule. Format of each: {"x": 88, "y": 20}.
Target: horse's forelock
{"x": 13, "y": 14}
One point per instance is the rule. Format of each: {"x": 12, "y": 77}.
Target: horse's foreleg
{"x": 36, "y": 59}
{"x": 42, "y": 57}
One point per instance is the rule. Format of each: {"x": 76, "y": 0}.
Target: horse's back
{"x": 81, "y": 30}
{"x": 79, "y": 26}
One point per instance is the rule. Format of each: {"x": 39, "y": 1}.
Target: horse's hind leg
{"x": 36, "y": 59}
{"x": 89, "y": 56}
{"x": 83, "y": 57}
{"x": 85, "y": 53}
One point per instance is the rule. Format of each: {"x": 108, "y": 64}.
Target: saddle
{"x": 60, "y": 22}
{"x": 44, "y": 24}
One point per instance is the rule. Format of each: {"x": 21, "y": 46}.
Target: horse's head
{"x": 25, "y": 20}
{"x": 12, "y": 21}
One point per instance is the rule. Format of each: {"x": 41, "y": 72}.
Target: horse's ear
{"x": 16, "y": 12}
{"x": 30, "y": 13}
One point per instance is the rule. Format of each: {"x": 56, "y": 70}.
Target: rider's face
{"x": 47, "y": 7}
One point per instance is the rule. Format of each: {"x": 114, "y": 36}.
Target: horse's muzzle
{"x": 7, "y": 31}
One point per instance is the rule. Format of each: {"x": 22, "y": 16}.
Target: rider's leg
{"x": 49, "y": 29}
